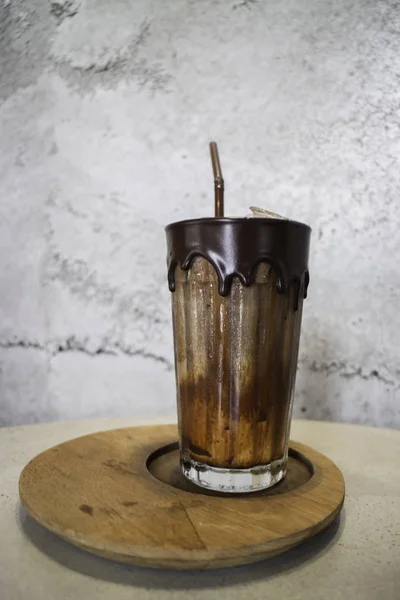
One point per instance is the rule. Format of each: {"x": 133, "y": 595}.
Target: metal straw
{"x": 218, "y": 181}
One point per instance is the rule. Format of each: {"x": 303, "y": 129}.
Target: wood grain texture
{"x": 97, "y": 492}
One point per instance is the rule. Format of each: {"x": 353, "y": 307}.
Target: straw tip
{"x": 218, "y": 180}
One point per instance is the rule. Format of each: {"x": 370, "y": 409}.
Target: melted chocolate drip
{"x": 235, "y": 247}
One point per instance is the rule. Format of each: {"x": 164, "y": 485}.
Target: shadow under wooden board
{"x": 120, "y": 494}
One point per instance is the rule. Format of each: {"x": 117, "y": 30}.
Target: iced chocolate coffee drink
{"x": 237, "y": 293}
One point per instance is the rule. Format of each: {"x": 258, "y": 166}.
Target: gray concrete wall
{"x": 106, "y": 110}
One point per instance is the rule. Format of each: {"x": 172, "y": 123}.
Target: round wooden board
{"x": 120, "y": 494}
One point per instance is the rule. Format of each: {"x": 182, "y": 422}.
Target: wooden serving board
{"x": 120, "y": 494}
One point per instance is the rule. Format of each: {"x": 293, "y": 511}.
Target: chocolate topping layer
{"x": 235, "y": 247}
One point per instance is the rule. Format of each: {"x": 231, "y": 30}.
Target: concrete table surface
{"x": 357, "y": 557}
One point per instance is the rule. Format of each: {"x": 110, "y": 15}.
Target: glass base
{"x": 234, "y": 481}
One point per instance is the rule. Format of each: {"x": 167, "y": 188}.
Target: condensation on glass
{"x": 235, "y": 360}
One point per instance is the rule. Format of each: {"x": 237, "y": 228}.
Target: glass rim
{"x": 279, "y": 223}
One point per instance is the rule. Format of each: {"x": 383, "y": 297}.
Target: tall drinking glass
{"x": 237, "y": 295}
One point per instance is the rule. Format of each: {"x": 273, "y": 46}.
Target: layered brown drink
{"x": 237, "y": 295}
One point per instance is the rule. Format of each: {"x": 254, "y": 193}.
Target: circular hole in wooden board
{"x": 164, "y": 465}
{"x": 119, "y": 494}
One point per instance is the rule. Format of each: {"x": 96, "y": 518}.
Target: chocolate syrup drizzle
{"x": 235, "y": 247}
